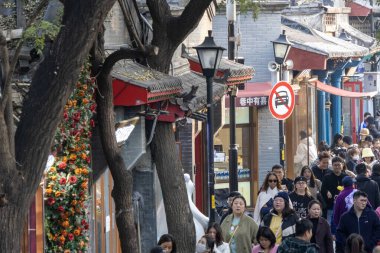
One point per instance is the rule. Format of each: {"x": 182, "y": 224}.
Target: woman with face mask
{"x": 238, "y": 229}
{"x": 205, "y": 245}
{"x": 352, "y": 158}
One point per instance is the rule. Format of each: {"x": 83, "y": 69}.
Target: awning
{"x": 340, "y": 92}
{"x": 255, "y": 90}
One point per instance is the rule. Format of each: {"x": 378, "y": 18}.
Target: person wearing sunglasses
{"x": 271, "y": 186}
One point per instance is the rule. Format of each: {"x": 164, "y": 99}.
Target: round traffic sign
{"x": 281, "y": 100}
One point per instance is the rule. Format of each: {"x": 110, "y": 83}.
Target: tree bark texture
{"x": 51, "y": 86}
{"x": 169, "y": 170}
{"x": 168, "y": 33}
{"x": 123, "y": 178}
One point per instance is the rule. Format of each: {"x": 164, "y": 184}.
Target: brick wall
{"x": 257, "y": 50}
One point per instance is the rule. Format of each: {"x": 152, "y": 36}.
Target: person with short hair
{"x": 266, "y": 240}
{"x": 376, "y": 148}
{"x": 321, "y": 228}
{"x": 360, "y": 219}
{"x": 301, "y": 242}
{"x": 286, "y": 183}
{"x": 371, "y": 125}
{"x": 367, "y": 185}
{"x": 330, "y": 185}
{"x": 347, "y": 142}
{"x": 375, "y": 176}
{"x": 281, "y": 219}
{"x": 322, "y": 169}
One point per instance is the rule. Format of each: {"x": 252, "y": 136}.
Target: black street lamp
{"x": 209, "y": 55}
{"x": 281, "y": 48}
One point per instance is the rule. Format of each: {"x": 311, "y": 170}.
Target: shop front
{"x": 248, "y": 102}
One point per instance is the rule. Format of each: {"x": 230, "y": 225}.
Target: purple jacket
{"x": 340, "y": 203}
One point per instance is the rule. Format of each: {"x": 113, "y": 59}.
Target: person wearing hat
{"x": 368, "y": 157}
{"x": 344, "y": 201}
{"x": 281, "y": 219}
{"x": 301, "y": 196}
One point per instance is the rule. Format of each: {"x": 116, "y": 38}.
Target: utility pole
{"x": 233, "y": 152}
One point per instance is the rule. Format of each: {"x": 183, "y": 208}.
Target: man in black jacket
{"x": 360, "y": 219}
{"x": 365, "y": 184}
{"x": 376, "y": 173}
{"x": 322, "y": 169}
{"x": 330, "y": 185}
{"x": 286, "y": 183}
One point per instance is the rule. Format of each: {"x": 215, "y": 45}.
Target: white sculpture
{"x": 200, "y": 220}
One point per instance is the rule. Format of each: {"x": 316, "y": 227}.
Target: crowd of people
{"x": 333, "y": 204}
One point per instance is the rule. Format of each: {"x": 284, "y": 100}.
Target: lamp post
{"x": 281, "y": 48}
{"x": 209, "y": 55}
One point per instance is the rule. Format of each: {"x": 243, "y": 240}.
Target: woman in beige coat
{"x": 239, "y": 230}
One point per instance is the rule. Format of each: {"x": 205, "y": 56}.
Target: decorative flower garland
{"x": 66, "y": 193}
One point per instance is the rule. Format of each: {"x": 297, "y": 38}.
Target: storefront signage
{"x": 251, "y": 101}
{"x": 281, "y": 100}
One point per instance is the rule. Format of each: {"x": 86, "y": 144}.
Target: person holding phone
{"x": 286, "y": 183}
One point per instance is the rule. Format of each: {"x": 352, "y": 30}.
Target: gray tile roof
{"x": 139, "y": 75}
{"x": 358, "y": 37}
{"x": 195, "y": 83}
{"x": 232, "y": 70}
{"x": 312, "y": 40}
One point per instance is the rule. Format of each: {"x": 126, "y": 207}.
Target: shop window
{"x": 304, "y": 119}
{"x": 221, "y": 160}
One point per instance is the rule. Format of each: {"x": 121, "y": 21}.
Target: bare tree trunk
{"x": 178, "y": 213}
{"x": 51, "y": 86}
{"x": 123, "y": 178}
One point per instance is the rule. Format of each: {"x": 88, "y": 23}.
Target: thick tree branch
{"x": 53, "y": 83}
{"x": 129, "y": 23}
{"x": 4, "y": 68}
{"x": 180, "y": 27}
{"x": 6, "y": 106}
{"x": 41, "y": 6}
{"x": 159, "y": 11}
